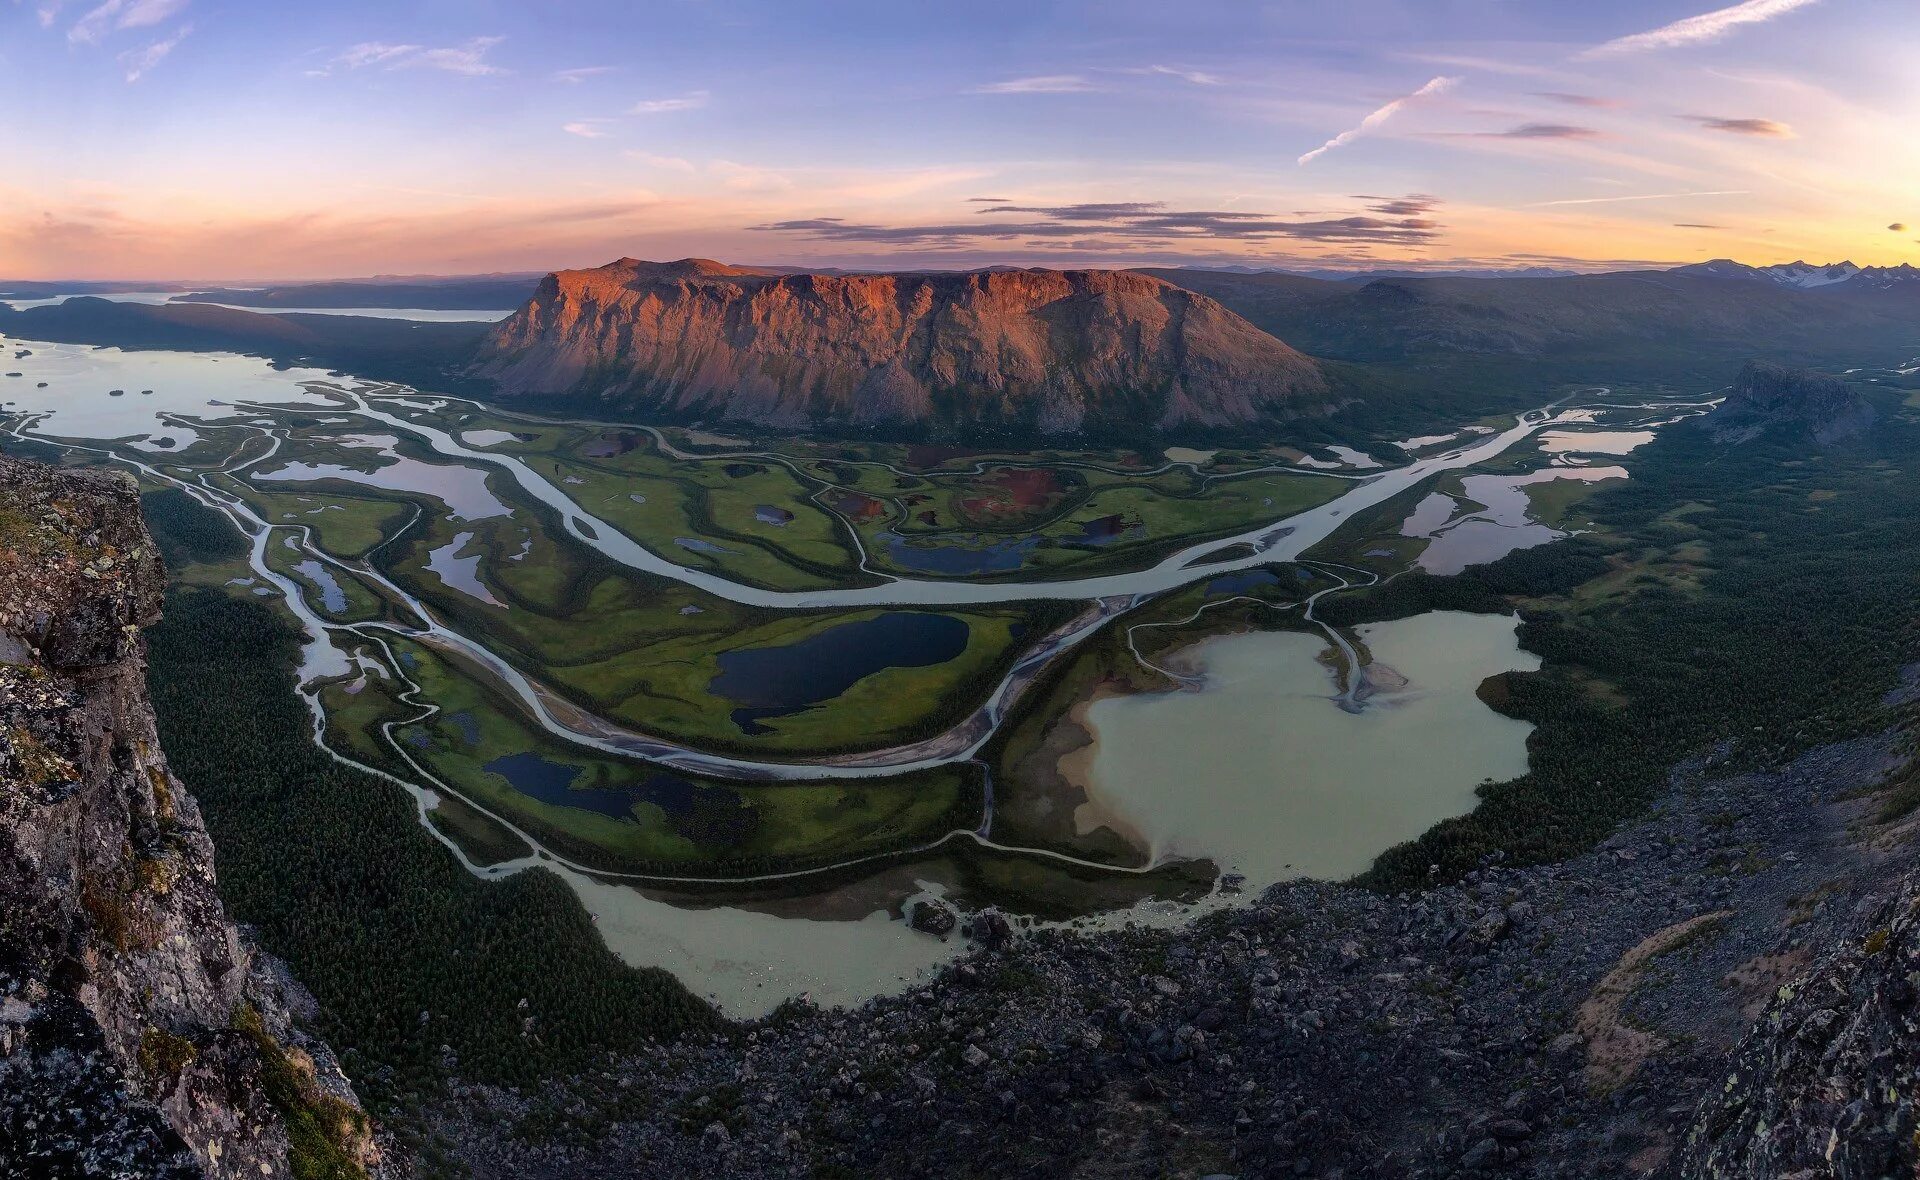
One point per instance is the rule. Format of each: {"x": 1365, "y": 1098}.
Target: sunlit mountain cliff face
{"x": 1063, "y": 351}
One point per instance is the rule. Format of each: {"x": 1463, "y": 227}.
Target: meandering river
{"x": 1350, "y": 789}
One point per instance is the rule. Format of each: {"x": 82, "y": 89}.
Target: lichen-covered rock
{"x": 1825, "y": 1084}
{"x": 128, "y": 1001}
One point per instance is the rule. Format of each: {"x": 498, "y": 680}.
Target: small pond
{"x": 461, "y": 573}
{"x": 771, "y": 682}
{"x": 1106, "y": 530}
{"x": 332, "y": 597}
{"x": 937, "y": 558}
{"x": 1243, "y": 582}
{"x": 552, "y": 782}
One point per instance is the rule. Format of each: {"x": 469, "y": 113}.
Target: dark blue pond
{"x": 1106, "y": 530}
{"x": 777, "y": 681}
{"x": 709, "y": 814}
{"x": 997, "y": 557}
{"x": 468, "y": 725}
{"x": 1241, "y": 583}
{"x": 552, "y": 782}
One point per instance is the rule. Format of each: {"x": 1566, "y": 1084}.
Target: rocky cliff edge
{"x": 140, "y": 1034}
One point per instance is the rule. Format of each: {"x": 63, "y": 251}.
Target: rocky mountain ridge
{"x": 140, "y": 1033}
{"x": 1608, "y": 325}
{"x": 1824, "y": 1083}
{"x": 1807, "y": 276}
{"x": 1769, "y": 397}
{"x": 1057, "y": 351}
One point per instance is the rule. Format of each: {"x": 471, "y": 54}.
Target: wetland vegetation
{"x": 730, "y": 715}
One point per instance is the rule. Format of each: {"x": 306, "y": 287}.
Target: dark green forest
{"x": 1746, "y": 602}
{"x": 406, "y": 951}
{"x": 1742, "y": 601}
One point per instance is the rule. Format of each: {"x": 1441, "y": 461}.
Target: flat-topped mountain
{"x": 1060, "y": 351}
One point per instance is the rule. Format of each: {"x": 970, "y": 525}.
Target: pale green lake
{"x": 1262, "y": 772}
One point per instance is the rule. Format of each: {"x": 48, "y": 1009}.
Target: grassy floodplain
{"x": 644, "y": 651}
{"x": 656, "y": 655}
{"x": 653, "y": 654}
{"x": 1081, "y": 512}
{"x": 621, "y": 815}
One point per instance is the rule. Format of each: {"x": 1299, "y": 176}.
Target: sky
{"x": 260, "y": 139}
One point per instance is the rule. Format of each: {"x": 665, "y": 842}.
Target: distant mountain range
{"x": 1062, "y": 352}
{"x": 1805, "y": 276}
{"x": 984, "y": 353}
{"x": 394, "y": 349}
{"x": 479, "y": 293}
{"x": 46, "y": 289}
{"x": 1340, "y": 275}
{"x": 1614, "y": 326}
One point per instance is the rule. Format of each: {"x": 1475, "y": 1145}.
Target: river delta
{"x": 752, "y": 702}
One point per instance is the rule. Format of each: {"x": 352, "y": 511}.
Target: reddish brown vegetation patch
{"x": 1012, "y": 493}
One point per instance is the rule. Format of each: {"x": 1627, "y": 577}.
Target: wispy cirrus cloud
{"x": 1039, "y": 84}
{"x": 1538, "y": 131}
{"x": 1481, "y": 65}
{"x": 1730, "y": 192}
{"x": 137, "y": 62}
{"x": 1578, "y": 100}
{"x": 580, "y": 73}
{"x": 1193, "y": 77}
{"x": 1708, "y": 26}
{"x": 1082, "y": 83}
{"x": 113, "y": 15}
{"x": 1377, "y": 117}
{"x": 1100, "y": 226}
{"x": 693, "y": 100}
{"x": 668, "y": 163}
{"x": 586, "y": 128}
{"x": 1765, "y": 128}
{"x": 468, "y": 59}
{"x": 1528, "y": 131}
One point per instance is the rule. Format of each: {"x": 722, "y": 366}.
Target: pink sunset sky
{"x": 194, "y": 139}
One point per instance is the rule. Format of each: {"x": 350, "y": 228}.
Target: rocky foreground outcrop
{"x": 1826, "y": 1083}
{"x": 1767, "y": 398}
{"x": 1566, "y": 1021}
{"x": 1060, "y": 351}
{"x": 140, "y": 1034}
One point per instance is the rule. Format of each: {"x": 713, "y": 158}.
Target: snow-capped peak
{"x": 1803, "y": 274}
{"x": 1807, "y": 276}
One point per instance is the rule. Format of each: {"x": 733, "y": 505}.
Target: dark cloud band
{"x": 1395, "y": 220}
